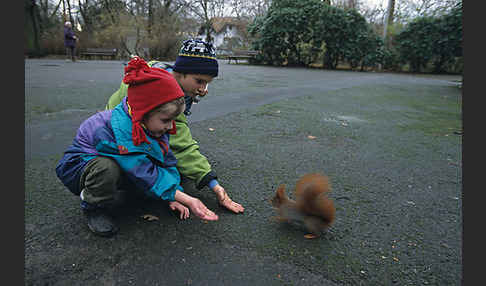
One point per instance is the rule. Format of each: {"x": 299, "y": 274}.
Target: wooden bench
{"x": 94, "y": 52}
{"x": 241, "y": 55}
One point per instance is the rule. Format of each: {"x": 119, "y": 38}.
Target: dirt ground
{"x": 390, "y": 143}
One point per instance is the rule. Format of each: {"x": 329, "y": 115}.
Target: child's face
{"x": 195, "y": 84}
{"x": 158, "y": 123}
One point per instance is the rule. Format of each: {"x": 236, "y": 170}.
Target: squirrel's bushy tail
{"x": 311, "y": 196}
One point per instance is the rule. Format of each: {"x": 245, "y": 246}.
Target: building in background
{"x": 228, "y": 33}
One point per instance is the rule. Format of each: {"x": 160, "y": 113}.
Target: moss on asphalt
{"x": 386, "y": 168}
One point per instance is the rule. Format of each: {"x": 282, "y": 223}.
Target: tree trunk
{"x": 64, "y": 11}
{"x": 83, "y": 9}
{"x": 71, "y": 19}
{"x": 352, "y": 4}
{"x": 391, "y": 11}
{"x": 208, "y": 24}
{"x": 150, "y": 18}
{"x": 32, "y": 7}
{"x": 388, "y": 19}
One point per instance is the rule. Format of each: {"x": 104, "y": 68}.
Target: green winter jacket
{"x": 190, "y": 162}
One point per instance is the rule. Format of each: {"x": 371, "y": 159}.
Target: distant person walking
{"x": 70, "y": 41}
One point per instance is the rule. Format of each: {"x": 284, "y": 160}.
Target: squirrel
{"x": 311, "y": 206}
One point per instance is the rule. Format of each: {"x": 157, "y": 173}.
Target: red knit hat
{"x": 147, "y": 88}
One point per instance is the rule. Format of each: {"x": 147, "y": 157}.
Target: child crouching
{"x": 130, "y": 142}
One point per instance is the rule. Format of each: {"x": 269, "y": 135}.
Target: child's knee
{"x": 101, "y": 173}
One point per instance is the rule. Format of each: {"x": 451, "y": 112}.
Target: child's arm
{"x": 117, "y": 96}
{"x": 196, "y": 206}
{"x": 190, "y": 162}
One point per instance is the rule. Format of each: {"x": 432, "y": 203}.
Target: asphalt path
{"x": 59, "y": 94}
{"x": 390, "y": 143}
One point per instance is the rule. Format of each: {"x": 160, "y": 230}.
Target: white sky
{"x": 373, "y": 3}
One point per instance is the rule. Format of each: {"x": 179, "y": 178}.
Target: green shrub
{"x": 306, "y": 31}
{"x": 432, "y": 39}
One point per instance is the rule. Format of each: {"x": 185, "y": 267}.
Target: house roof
{"x": 218, "y": 23}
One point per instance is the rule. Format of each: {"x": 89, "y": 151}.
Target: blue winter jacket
{"x": 151, "y": 167}
{"x": 69, "y": 40}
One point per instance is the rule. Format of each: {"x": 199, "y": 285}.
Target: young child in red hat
{"x": 129, "y": 146}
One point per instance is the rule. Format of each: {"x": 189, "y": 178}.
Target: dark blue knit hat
{"x": 196, "y": 57}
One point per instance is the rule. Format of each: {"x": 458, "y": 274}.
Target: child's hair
{"x": 179, "y": 104}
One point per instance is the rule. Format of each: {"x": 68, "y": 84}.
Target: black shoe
{"x": 99, "y": 222}
{"x": 120, "y": 198}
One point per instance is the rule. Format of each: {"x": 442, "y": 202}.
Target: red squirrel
{"x": 311, "y": 206}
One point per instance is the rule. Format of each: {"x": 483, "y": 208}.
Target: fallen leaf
{"x": 149, "y": 217}
{"x": 310, "y": 236}
{"x": 311, "y": 137}
{"x": 445, "y": 245}
{"x": 211, "y": 129}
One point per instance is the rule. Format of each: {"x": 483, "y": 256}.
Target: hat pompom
{"x": 133, "y": 69}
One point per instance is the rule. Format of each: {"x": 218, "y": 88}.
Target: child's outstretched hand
{"x": 184, "y": 212}
{"x": 226, "y": 201}
{"x": 196, "y": 206}
{"x": 199, "y": 209}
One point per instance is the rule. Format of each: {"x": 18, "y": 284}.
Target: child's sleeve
{"x": 190, "y": 162}
{"x": 167, "y": 183}
{"x": 117, "y": 96}
{"x": 149, "y": 175}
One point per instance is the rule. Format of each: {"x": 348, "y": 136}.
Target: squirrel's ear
{"x": 279, "y": 197}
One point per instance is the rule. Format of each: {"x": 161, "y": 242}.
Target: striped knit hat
{"x": 196, "y": 57}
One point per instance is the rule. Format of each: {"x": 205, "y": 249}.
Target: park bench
{"x": 94, "y": 52}
{"x": 241, "y": 55}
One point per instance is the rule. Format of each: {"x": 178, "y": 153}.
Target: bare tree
{"x": 405, "y": 10}
{"x": 44, "y": 8}
{"x": 206, "y": 18}
{"x": 85, "y": 15}
{"x": 249, "y": 8}
{"x": 205, "y": 10}
{"x": 373, "y": 15}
